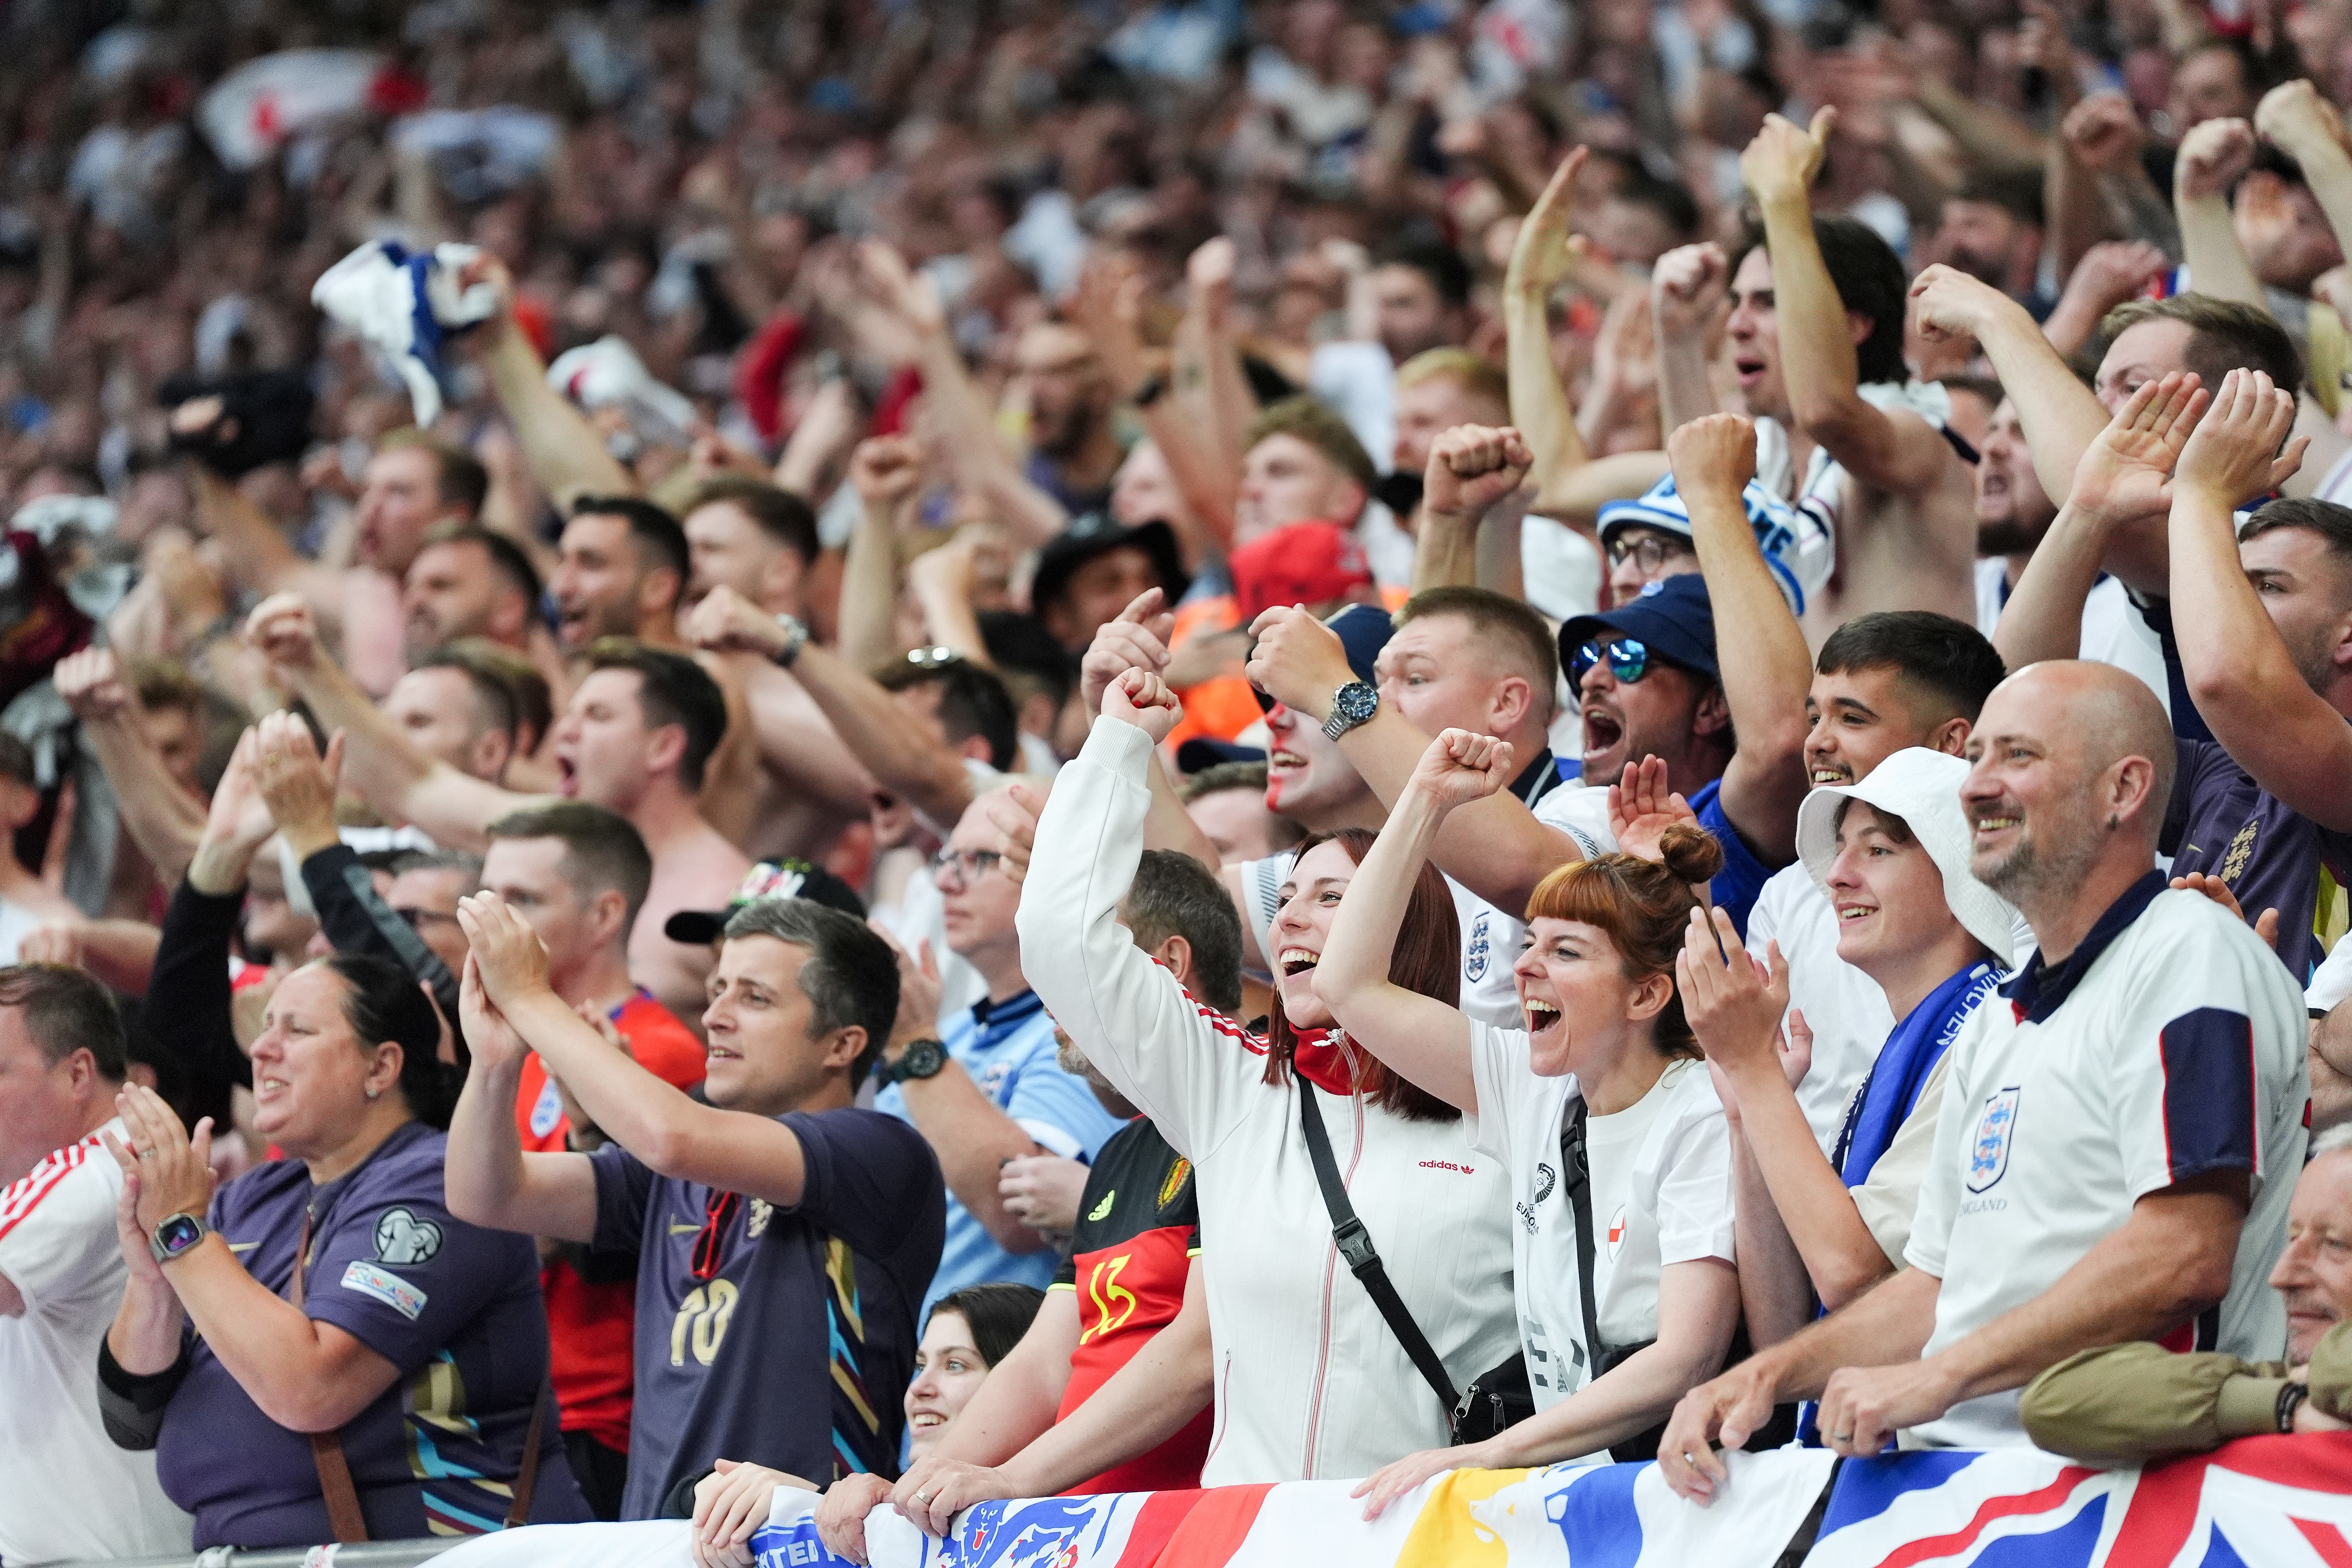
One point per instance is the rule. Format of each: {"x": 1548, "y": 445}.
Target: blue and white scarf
{"x": 1904, "y": 1064}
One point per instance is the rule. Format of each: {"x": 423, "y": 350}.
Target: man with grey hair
{"x": 2113, "y": 1150}
{"x": 783, "y": 1237}
{"x": 2139, "y": 1401}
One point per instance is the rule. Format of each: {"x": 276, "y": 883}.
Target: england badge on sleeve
{"x": 1988, "y": 1154}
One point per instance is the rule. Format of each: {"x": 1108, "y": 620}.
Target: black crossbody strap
{"x": 1363, "y": 1259}
{"x": 1576, "y": 1171}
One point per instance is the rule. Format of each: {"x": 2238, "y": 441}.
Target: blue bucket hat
{"x": 1775, "y": 522}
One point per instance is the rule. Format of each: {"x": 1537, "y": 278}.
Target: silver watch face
{"x": 1351, "y": 706}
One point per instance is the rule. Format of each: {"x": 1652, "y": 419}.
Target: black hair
{"x": 998, "y": 1314}
{"x": 382, "y": 1001}
{"x": 1020, "y": 646}
{"x": 602, "y": 850}
{"x": 972, "y": 702}
{"x": 1175, "y": 895}
{"x": 660, "y": 541}
{"x": 1434, "y": 259}
{"x": 674, "y": 690}
{"x": 1869, "y": 278}
{"x": 67, "y": 1010}
{"x": 1951, "y": 658}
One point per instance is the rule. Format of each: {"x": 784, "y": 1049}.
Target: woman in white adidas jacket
{"x": 1609, "y": 1055}
{"x": 1309, "y": 1381}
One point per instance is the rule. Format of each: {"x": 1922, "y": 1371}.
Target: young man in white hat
{"x": 1890, "y": 855}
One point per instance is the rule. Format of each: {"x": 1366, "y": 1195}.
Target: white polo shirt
{"x": 66, "y": 1490}
{"x": 1661, "y": 1194}
{"x": 2168, "y": 1045}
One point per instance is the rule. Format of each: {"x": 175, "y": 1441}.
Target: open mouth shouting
{"x": 1752, "y": 371}
{"x": 1604, "y": 730}
{"x": 1543, "y": 1017}
{"x": 1296, "y": 961}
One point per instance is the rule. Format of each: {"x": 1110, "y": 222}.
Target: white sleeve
{"x": 57, "y": 1228}
{"x": 1187, "y": 1069}
{"x": 1889, "y": 1196}
{"x": 1764, "y": 917}
{"x": 2183, "y": 1078}
{"x": 1499, "y": 1072}
{"x": 1695, "y": 1202}
{"x": 1939, "y": 1191}
{"x": 2331, "y": 983}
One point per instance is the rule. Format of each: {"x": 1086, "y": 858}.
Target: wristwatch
{"x": 795, "y": 632}
{"x": 921, "y": 1059}
{"x": 1352, "y": 705}
{"x": 177, "y": 1236}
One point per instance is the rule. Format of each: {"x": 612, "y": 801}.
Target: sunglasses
{"x": 933, "y": 657}
{"x": 1629, "y": 659}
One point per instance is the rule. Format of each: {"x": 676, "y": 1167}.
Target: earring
{"x": 371, "y": 1092}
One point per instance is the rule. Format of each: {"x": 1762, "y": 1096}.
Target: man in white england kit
{"x": 66, "y": 1490}
{"x": 2118, "y": 1145}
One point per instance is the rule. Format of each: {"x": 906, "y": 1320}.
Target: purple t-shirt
{"x": 792, "y": 1346}
{"x": 454, "y": 1307}
{"x": 2224, "y": 824}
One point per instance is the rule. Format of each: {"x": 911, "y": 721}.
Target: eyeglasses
{"x": 1649, "y": 553}
{"x": 933, "y": 657}
{"x": 966, "y": 864}
{"x": 419, "y": 919}
{"x": 1629, "y": 659}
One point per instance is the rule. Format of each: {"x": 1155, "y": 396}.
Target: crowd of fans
{"x": 1159, "y": 743}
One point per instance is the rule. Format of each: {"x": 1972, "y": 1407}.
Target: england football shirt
{"x": 66, "y": 1490}
{"x": 1661, "y": 1195}
{"x": 2168, "y": 1045}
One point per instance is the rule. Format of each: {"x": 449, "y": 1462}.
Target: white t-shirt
{"x": 2113, "y": 631}
{"x": 66, "y": 1490}
{"x": 2164, "y": 1049}
{"x": 1661, "y": 1194}
{"x": 1491, "y": 935}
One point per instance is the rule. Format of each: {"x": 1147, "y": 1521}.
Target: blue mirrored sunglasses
{"x": 1629, "y": 659}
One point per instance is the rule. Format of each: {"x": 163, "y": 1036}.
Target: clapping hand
{"x": 296, "y": 783}
{"x": 171, "y": 1170}
{"x": 511, "y": 959}
{"x": 1733, "y": 999}
{"x": 1641, "y": 807}
{"x": 2126, "y": 471}
{"x": 2234, "y": 453}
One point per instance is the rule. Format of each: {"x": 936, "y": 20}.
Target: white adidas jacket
{"x": 1310, "y": 1382}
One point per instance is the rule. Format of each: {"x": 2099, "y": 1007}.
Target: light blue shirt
{"x": 1008, "y": 1050}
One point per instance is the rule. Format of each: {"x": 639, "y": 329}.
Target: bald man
{"x": 2118, "y": 1145}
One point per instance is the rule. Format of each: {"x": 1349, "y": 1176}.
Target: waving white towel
{"x": 406, "y": 305}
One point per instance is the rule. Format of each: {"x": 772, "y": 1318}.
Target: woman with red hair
{"x": 1601, "y": 1110}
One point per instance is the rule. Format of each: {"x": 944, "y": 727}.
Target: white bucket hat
{"x": 1923, "y": 788}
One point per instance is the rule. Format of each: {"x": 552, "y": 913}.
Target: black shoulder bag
{"x": 1499, "y": 1397}
{"x": 1576, "y": 1172}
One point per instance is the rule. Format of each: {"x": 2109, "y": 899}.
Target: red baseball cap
{"x": 1300, "y": 563}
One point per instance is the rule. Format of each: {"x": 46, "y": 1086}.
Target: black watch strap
{"x": 2290, "y": 1400}
{"x": 921, "y": 1059}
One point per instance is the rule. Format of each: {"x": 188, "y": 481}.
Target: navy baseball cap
{"x": 768, "y": 879}
{"x": 1364, "y": 630}
{"x": 1204, "y": 751}
{"x": 1671, "y": 616}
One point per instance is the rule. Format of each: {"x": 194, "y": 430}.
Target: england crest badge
{"x": 1988, "y": 1154}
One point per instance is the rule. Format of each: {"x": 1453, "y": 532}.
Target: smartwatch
{"x": 177, "y": 1236}
{"x": 1352, "y": 705}
{"x": 795, "y": 632}
{"x": 921, "y": 1059}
